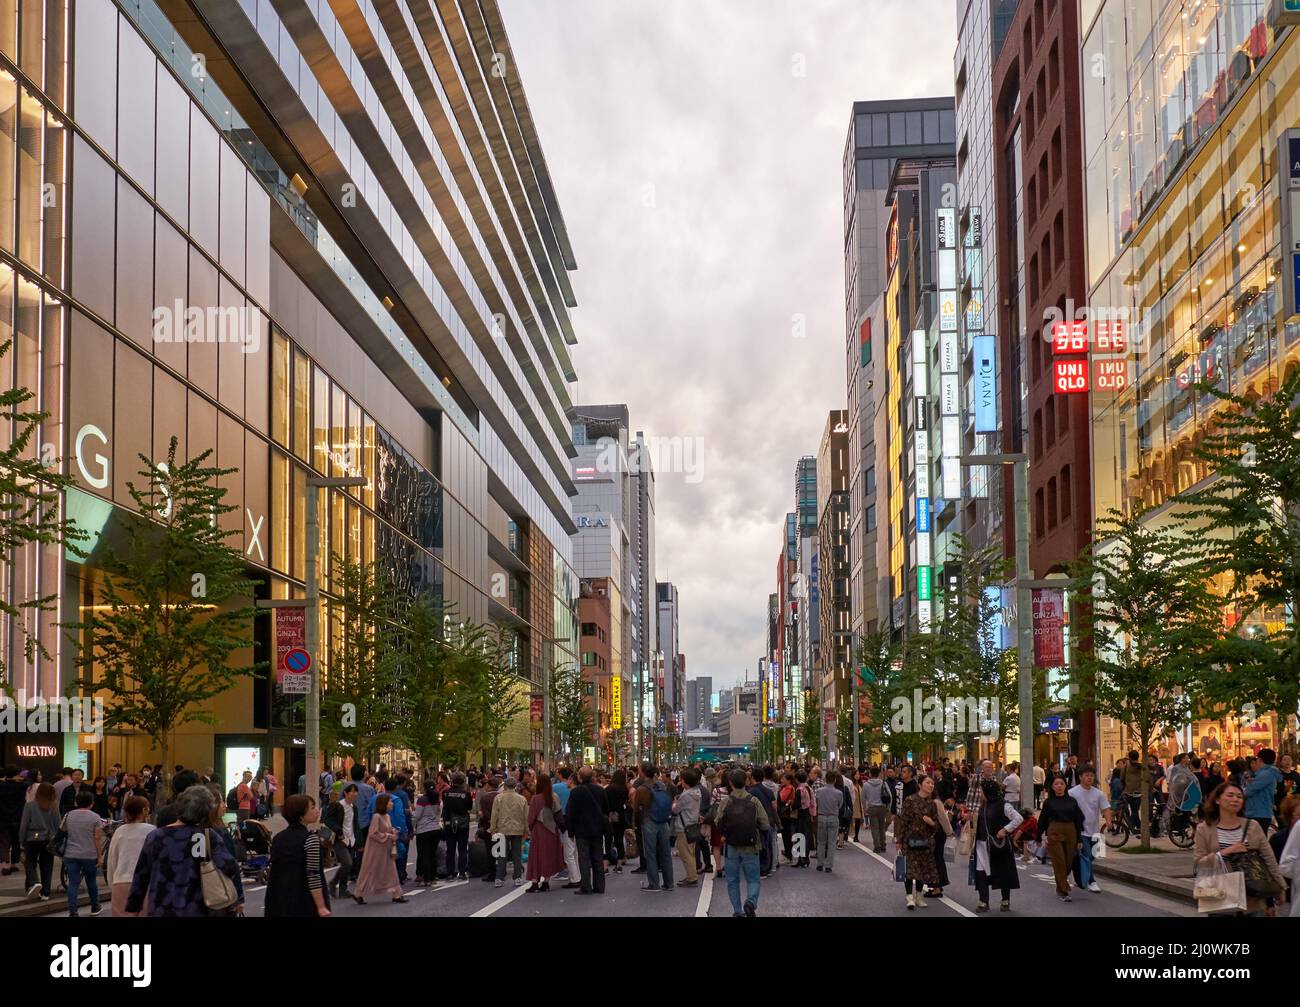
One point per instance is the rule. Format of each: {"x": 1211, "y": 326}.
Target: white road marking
{"x": 706, "y": 894}
{"x": 500, "y": 903}
{"x": 954, "y": 906}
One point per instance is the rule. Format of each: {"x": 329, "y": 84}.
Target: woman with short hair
{"x": 296, "y": 883}
{"x": 124, "y": 852}
{"x": 168, "y": 871}
{"x": 1224, "y": 835}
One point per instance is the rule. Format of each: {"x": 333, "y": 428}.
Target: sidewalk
{"x": 13, "y": 891}
{"x": 1169, "y": 872}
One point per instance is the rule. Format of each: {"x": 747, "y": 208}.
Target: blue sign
{"x": 297, "y": 660}
{"x": 1293, "y": 143}
{"x": 922, "y": 514}
{"x": 1049, "y": 725}
{"x": 986, "y": 386}
{"x": 1295, "y": 276}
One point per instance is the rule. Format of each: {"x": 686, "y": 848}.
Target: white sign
{"x": 295, "y": 685}
{"x": 949, "y": 396}
{"x": 948, "y": 353}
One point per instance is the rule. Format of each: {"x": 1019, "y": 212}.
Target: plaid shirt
{"x": 975, "y": 795}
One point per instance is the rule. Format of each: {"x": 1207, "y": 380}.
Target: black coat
{"x": 287, "y": 893}
{"x": 586, "y": 812}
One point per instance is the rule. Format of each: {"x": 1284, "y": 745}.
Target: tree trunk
{"x": 1145, "y": 811}
{"x": 165, "y": 784}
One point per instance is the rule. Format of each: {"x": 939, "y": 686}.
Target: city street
{"x": 861, "y": 885}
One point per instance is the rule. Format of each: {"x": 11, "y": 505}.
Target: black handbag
{"x": 58, "y": 844}
{"x": 1260, "y": 882}
{"x": 918, "y": 843}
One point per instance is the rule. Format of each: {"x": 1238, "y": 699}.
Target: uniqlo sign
{"x": 1070, "y": 376}
{"x": 1070, "y": 337}
{"x": 1108, "y": 336}
{"x": 1110, "y": 375}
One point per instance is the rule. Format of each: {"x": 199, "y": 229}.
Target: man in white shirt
{"x": 1096, "y": 808}
{"x": 1011, "y": 783}
{"x": 1040, "y": 781}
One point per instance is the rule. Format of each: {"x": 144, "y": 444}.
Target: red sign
{"x": 1110, "y": 375}
{"x": 1070, "y": 337}
{"x": 290, "y": 634}
{"x": 1049, "y": 628}
{"x": 1070, "y": 376}
{"x": 536, "y": 713}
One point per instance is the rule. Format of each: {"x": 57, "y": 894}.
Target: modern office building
{"x": 911, "y": 343}
{"x": 598, "y": 633}
{"x": 880, "y": 132}
{"x": 672, "y": 687}
{"x": 1181, "y": 129}
{"x": 358, "y": 186}
{"x": 645, "y": 613}
{"x": 699, "y": 704}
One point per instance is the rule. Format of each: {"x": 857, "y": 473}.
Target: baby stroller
{"x": 252, "y": 842}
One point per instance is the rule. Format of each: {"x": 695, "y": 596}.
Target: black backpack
{"x": 739, "y": 821}
{"x": 232, "y": 799}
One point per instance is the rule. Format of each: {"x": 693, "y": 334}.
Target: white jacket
{"x": 1289, "y": 865}
{"x": 124, "y": 851}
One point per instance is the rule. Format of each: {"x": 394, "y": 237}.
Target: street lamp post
{"x": 312, "y": 630}
{"x": 1024, "y": 604}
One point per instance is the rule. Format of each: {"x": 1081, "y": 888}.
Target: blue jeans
{"x": 1083, "y": 874}
{"x": 76, "y": 870}
{"x": 735, "y": 863}
{"x": 658, "y": 853}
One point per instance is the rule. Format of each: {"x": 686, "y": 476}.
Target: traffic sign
{"x": 297, "y": 661}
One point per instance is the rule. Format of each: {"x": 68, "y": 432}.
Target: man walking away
{"x": 767, "y": 843}
{"x": 563, "y": 789}
{"x": 585, "y": 822}
{"x": 875, "y": 800}
{"x": 829, "y": 800}
{"x": 741, "y": 818}
{"x": 509, "y": 820}
{"x": 657, "y": 831}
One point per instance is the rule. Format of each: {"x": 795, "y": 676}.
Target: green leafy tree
{"x": 1154, "y": 626}
{"x": 428, "y": 667}
{"x": 361, "y": 702}
{"x": 504, "y": 697}
{"x": 1249, "y": 515}
{"x": 570, "y": 715}
{"x": 30, "y": 490}
{"x": 810, "y": 737}
{"x": 174, "y": 608}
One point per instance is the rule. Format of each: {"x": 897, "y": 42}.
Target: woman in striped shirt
{"x": 1224, "y": 832}
{"x": 296, "y": 885}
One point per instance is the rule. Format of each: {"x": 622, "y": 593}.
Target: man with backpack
{"x": 742, "y": 820}
{"x": 656, "y": 803}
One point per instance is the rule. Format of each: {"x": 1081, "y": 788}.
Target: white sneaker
{"x": 34, "y": 892}
{"x": 499, "y": 884}
{"x": 1094, "y": 887}
{"x": 518, "y": 882}
{"x": 911, "y": 902}
{"x": 920, "y": 902}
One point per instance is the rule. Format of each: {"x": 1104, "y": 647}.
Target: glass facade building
{"x": 1183, "y": 233}
{"x": 366, "y": 196}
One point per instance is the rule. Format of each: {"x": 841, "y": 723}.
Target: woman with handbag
{"x": 686, "y": 824}
{"x": 39, "y": 823}
{"x": 1225, "y": 836}
{"x": 178, "y": 865}
{"x": 941, "y": 836}
{"x": 545, "y": 849}
{"x": 379, "y": 865}
{"x": 296, "y": 883}
{"x": 993, "y": 860}
{"x": 914, "y": 835}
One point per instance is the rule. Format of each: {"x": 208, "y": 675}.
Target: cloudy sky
{"x": 696, "y": 148}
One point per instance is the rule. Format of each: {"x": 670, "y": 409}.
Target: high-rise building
{"x": 911, "y": 340}
{"x": 835, "y": 650}
{"x": 1038, "y": 130}
{"x": 672, "y": 688}
{"x": 359, "y": 192}
{"x": 880, "y": 132}
{"x": 699, "y": 704}
{"x": 645, "y": 611}
{"x": 1184, "y": 107}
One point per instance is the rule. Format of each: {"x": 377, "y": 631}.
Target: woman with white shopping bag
{"x": 1236, "y": 869}
{"x": 1289, "y": 865}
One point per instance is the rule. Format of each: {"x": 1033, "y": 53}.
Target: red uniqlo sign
{"x": 1108, "y": 336}
{"x": 1070, "y": 337}
{"x": 1070, "y": 376}
{"x": 1110, "y": 375}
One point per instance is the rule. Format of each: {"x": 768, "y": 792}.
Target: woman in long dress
{"x": 915, "y": 828}
{"x": 994, "y": 859}
{"x": 378, "y": 860}
{"x": 545, "y": 849}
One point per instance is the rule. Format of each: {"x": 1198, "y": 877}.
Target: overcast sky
{"x": 696, "y": 149}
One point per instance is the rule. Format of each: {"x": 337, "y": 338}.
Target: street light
{"x": 312, "y": 630}
{"x": 1024, "y": 618}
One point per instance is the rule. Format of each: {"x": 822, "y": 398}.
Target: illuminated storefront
{"x": 1181, "y": 118}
